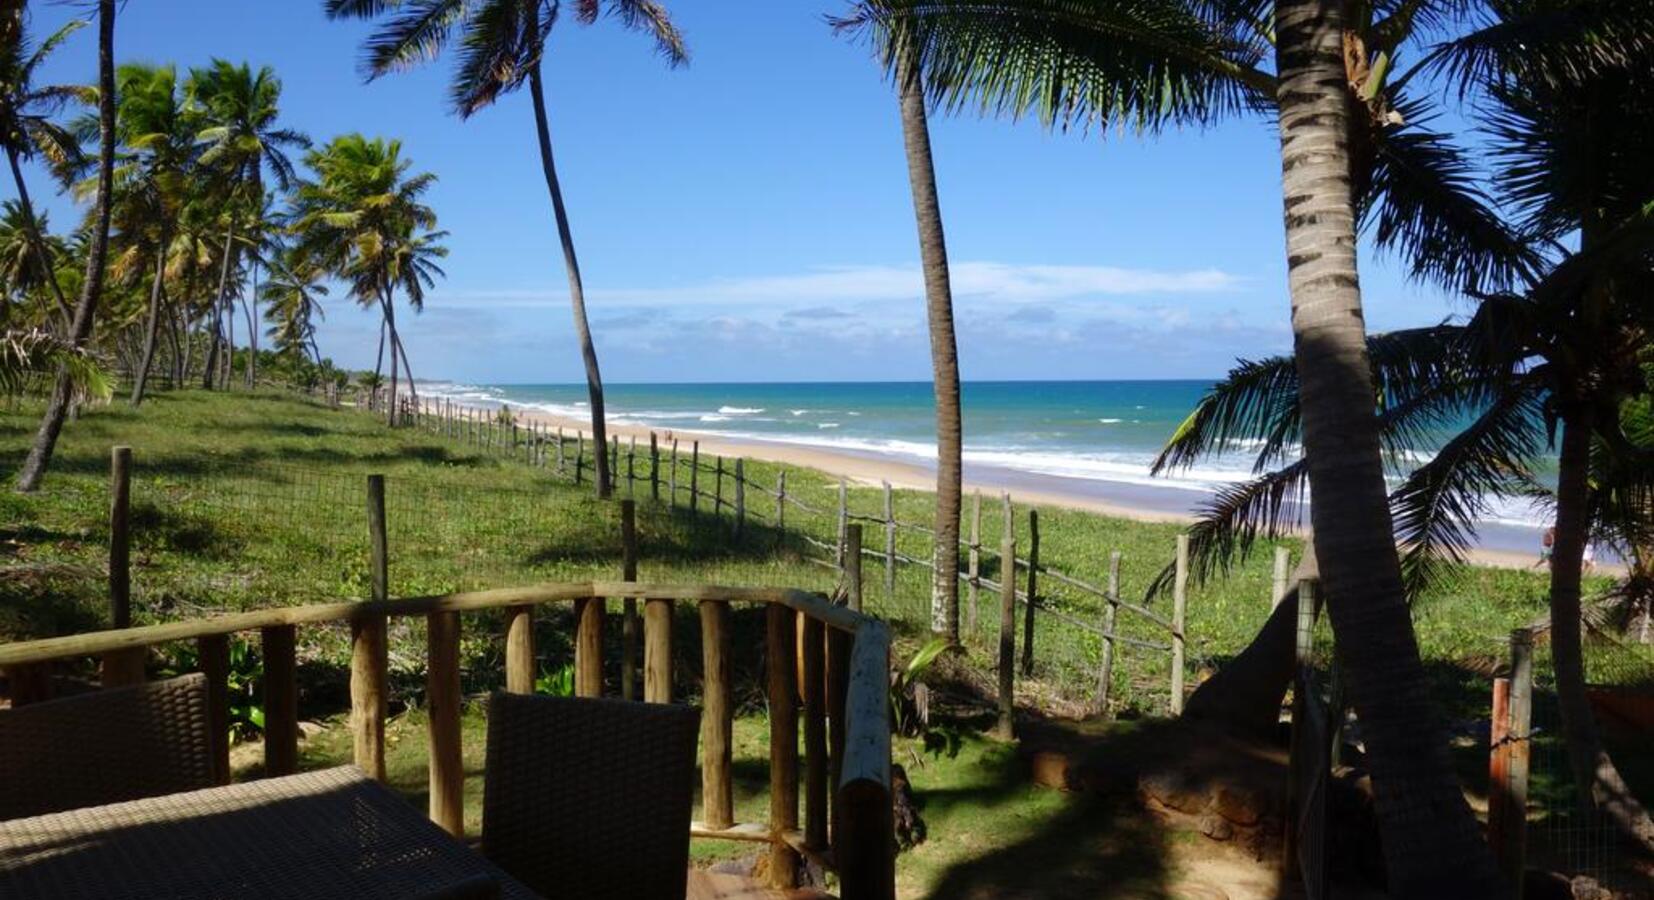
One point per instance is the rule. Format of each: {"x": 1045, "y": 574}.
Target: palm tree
{"x": 27, "y": 129}
{"x": 80, "y": 327}
{"x": 22, "y": 266}
{"x": 292, "y": 297}
{"x": 239, "y": 108}
{"x": 364, "y": 219}
{"x": 503, "y": 44}
{"x": 153, "y": 121}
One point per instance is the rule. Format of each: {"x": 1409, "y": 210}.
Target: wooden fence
{"x": 842, "y": 653}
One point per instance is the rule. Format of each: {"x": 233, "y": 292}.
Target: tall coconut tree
{"x": 23, "y": 272}
{"x": 502, "y": 48}
{"x": 28, "y": 130}
{"x": 80, "y": 326}
{"x": 293, "y": 303}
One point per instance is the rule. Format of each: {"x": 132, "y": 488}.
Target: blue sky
{"x": 747, "y": 218}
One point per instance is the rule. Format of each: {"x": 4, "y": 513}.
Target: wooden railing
{"x": 845, "y": 713}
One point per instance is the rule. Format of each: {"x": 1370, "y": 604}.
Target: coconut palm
{"x": 239, "y": 109}
{"x": 27, "y": 129}
{"x": 80, "y": 326}
{"x": 364, "y": 219}
{"x": 22, "y": 271}
{"x": 292, "y": 297}
{"x": 502, "y": 47}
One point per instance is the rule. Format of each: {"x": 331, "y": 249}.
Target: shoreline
{"x": 1131, "y": 502}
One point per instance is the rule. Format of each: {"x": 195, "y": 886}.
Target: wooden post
{"x": 1518, "y": 735}
{"x": 519, "y": 649}
{"x": 589, "y": 613}
{"x": 844, "y": 520}
{"x": 815, "y": 734}
{"x": 1303, "y": 648}
{"x": 1180, "y": 604}
{"x": 889, "y": 542}
{"x": 657, "y": 651}
{"x": 672, "y": 477}
{"x": 1033, "y": 595}
{"x": 695, "y": 476}
{"x": 740, "y": 496}
{"x": 631, "y": 460}
{"x": 780, "y": 507}
{"x": 837, "y": 677}
{"x": 120, "y": 537}
{"x": 973, "y": 565}
{"x": 654, "y": 468}
{"x": 213, "y": 653}
{"x": 560, "y": 464}
{"x": 1007, "y": 624}
{"x": 579, "y": 455}
{"x": 866, "y": 851}
{"x": 628, "y": 572}
{"x": 614, "y": 462}
{"x": 851, "y": 550}
{"x": 442, "y": 697}
{"x": 783, "y": 699}
{"x": 717, "y": 722}
{"x": 718, "y": 486}
{"x": 379, "y": 559}
{"x": 1498, "y": 772}
{"x": 281, "y": 701}
{"x": 369, "y": 694}
{"x": 1278, "y": 584}
{"x": 1111, "y": 605}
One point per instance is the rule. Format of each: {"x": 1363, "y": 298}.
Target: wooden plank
{"x": 589, "y": 614}
{"x": 369, "y": 692}
{"x": 1180, "y": 604}
{"x": 866, "y": 851}
{"x": 754, "y": 832}
{"x": 519, "y": 649}
{"x": 442, "y": 699}
{"x": 120, "y": 537}
{"x": 783, "y": 699}
{"x": 815, "y": 733}
{"x": 838, "y": 682}
{"x": 1007, "y": 624}
{"x": 213, "y": 655}
{"x": 281, "y": 701}
{"x": 717, "y": 717}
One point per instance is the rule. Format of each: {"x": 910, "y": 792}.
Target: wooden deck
{"x": 715, "y": 886}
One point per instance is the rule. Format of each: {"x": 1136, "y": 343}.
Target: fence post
{"x": 850, "y": 551}
{"x": 446, "y": 767}
{"x": 843, "y": 520}
{"x": 695, "y": 476}
{"x": 813, "y": 645}
{"x": 120, "y": 537}
{"x": 614, "y": 462}
{"x": 1007, "y": 623}
{"x": 654, "y": 468}
{"x": 378, "y": 544}
{"x": 1303, "y": 648}
{"x": 1105, "y": 671}
{"x": 672, "y": 477}
{"x": 579, "y": 454}
{"x": 780, "y": 647}
{"x": 718, "y": 486}
{"x": 717, "y": 717}
{"x": 1277, "y": 590}
{"x": 560, "y": 465}
{"x": 213, "y": 653}
{"x": 281, "y": 702}
{"x": 780, "y": 507}
{"x": 740, "y": 496}
{"x": 973, "y": 565}
{"x": 629, "y": 622}
{"x": 889, "y": 542}
{"x": 1033, "y": 597}
{"x": 1180, "y": 604}
{"x": 631, "y": 467}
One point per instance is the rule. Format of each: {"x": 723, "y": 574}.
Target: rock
{"x": 1216, "y": 827}
{"x": 1171, "y": 790}
{"x": 1586, "y": 888}
{"x": 1240, "y": 804}
{"x": 1050, "y": 769}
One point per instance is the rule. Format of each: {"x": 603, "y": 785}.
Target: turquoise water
{"x": 1093, "y": 438}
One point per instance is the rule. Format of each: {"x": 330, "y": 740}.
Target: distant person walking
{"x": 1547, "y": 546}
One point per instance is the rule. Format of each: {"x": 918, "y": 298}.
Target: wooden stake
{"x": 783, "y": 698}
{"x": 1007, "y": 624}
{"x": 694, "y": 476}
{"x": 1111, "y": 606}
{"x": 654, "y": 468}
{"x": 740, "y": 496}
{"x": 519, "y": 649}
{"x": 589, "y": 613}
{"x": 120, "y": 537}
{"x": 213, "y": 653}
{"x": 815, "y": 734}
{"x": 628, "y": 572}
{"x": 851, "y": 551}
{"x": 1180, "y": 603}
{"x": 1033, "y": 595}
{"x": 281, "y": 701}
{"x": 442, "y": 699}
{"x": 369, "y": 696}
{"x": 378, "y": 543}
{"x": 717, "y": 717}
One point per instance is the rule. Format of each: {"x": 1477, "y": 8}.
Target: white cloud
{"x": 990, "y": 282}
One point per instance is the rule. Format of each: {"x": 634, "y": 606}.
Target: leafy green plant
{"x": 556, "y": 682}
{"x": 909, "y": 698}
{"x": 246, "y": 707}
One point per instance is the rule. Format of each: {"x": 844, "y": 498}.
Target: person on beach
{"x": 1547, "y": 545}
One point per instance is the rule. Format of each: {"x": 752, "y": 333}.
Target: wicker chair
{"x": 104, "y": 747}
{"x": 590, "y": 798}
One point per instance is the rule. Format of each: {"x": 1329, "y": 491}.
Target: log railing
{"x": 845, "y": 664}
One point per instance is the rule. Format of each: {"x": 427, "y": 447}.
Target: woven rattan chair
{"x": 104, "y": 747}
{"x": 590, "y": 798}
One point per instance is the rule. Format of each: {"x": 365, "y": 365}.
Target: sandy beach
{"x": 1502, "y": 546}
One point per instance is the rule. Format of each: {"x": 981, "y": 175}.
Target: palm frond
{"x": 1256, "y": 402}
{"x": 501, "y": 45}
{"x": 1559, "y": 44}
{"x": 652, "y": 19}
{"x": 1227, "y": 527}
{"x": 415, "y": 34}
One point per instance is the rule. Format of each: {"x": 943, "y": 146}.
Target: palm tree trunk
{"x": 944, "y": 349}
{"x": 36, "y": 241}
{"x": 153, "y": 327}
{"x": 249, "y": 306}
{"x": 80, "y": 328}
{"x": 1432, "y": 843}
{"x": 407, "y": 369}
{"x": 227, "y": 361}
{"x": 1592, "y": 766}
{"x": 209, "y": 376}
{"x": 390, "y": 326}
{"x": 577, "y": 292}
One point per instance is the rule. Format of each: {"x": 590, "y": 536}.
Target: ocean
{"x": 1094, "y": 439}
